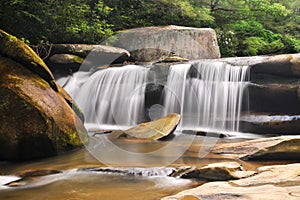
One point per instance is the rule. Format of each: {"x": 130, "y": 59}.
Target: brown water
{"x": 74, "y": 184}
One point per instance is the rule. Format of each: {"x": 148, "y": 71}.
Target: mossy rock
{"x": 36, "y": 121}
{"x": 18, "y": 51}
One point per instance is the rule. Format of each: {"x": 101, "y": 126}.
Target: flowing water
{"x": 211, "y": 99}
{"x": 80, "y": 177}
{"x": 208, "y": 95}
{"x": 114, "y": 96}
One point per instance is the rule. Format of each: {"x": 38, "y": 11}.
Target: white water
{"x": 212, "y": 100}
{"x": 114, "y": 96}
{"x": 209, "y": 100}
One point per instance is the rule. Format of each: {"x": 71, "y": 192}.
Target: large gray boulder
{"x": 152, "y": 44}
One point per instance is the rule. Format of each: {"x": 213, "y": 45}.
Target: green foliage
{"x": 244, "y": 27}
{"x": 139, "y": 13}
{"x": 291, "y": 44}
{"x": 69, "y": 21}
{"x": 258, "y": 45}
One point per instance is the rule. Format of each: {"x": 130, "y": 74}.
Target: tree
{"x": 68, "y": 21}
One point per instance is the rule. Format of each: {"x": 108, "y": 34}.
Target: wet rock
{"x": 216, "y": 172}
{"x": 282, "y": 65}
{"x": 104, "y": 55}
{"x": 157, "y": 129}
{"x": 30, "y": 176}
{"x": 274, "y": 148}
{"x": 36, "y": 121}
{"x": 153, "y": 98}
{"x": 269, "y": 182}
{"x": 176, "y": 59}
{"x": 148, "y": 172}
{"x": 274, "y": 99}
{"x": 153, "y": 44}
{"x": 280, "y": 125}
{"x": 205, "y": 133}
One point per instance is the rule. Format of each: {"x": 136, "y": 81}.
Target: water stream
{"x": 207, "y": 94}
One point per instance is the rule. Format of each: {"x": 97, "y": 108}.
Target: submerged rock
{"x": 157, "y": 129}
{"x": 30, "y": 176}
{"x": 275, "y": 148}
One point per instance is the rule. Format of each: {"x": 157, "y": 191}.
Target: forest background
{"x": 244, "y": 27}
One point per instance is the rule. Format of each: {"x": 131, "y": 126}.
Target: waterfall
{"x": 113, "y": 97}
{"x": 208, "y": 95}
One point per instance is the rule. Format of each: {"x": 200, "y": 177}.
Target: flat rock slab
{"x": 270, "y": 182}
{"x": 215, "y": 172}
{"x": 274, "y": 148}
{"x": 155, "y": 129}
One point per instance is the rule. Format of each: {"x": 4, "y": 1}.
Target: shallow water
{"x": 74, "y": 183}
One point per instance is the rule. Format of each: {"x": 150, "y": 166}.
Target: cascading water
{"x": 208, "y": 95}
{"x": 114, "y": 96}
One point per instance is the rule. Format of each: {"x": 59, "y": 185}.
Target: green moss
{"x": 17, "y": 50}
{"x": 78, "y": 59}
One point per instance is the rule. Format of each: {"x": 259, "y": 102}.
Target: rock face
{"x": 104, "y": 55}
{"x": 13, "y": 48}
{"x": 72, "y": 57}
{"x": 36, "y": 120}
{"x": 282, "y": 65}
{"x": 270, "y": 182}
{"x": 274, "y": 148}
{"x": 273, "y": 91}
{"x": 66, "y": 58}
{"x": 152, "y": 44}
{"x": 155, "y": 129}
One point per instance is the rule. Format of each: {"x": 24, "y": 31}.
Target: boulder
{"x": 155, "y": 130}
{"x": 36, "y": 121}
{"x": 269, "y": 182}
{"x": 66, "y": 59}
{"x": 274, "y": 148}
{"x": 104, "y": 55}
{"x": 81, "y": 50}
{"x": 17, "y": 50}
{"x": 153, "y": 44}
{"x": 282, "y": 65}
{"x": 276, "y": 99}
{"x": 270, "y": 124}
{"x": 215, "y": 172}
